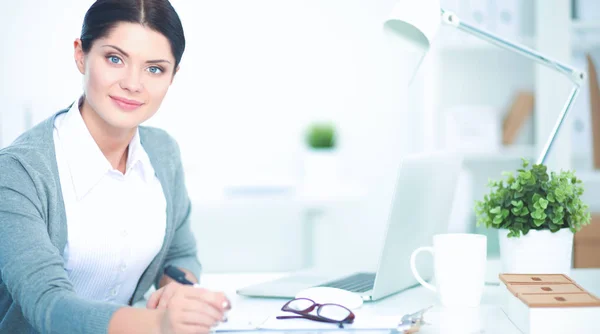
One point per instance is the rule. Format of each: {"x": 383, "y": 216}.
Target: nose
{"x": 132, "y": 81}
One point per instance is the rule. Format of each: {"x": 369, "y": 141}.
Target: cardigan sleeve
{"x": 182, "y": 252}
{"x": 32, "y": 268}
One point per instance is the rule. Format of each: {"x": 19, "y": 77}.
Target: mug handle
{"x": 413, "y": 267}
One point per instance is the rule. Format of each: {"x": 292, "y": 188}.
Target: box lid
{"x": 535, "y": 279}
{"x": 559, "y": 300}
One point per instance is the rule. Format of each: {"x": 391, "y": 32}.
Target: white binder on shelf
{"x": 587, "y": 10}
{"x": 477, "y": 13}
{"x": 507, "y": 18}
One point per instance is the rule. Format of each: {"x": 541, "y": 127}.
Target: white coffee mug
{"x": 458, "y": 267}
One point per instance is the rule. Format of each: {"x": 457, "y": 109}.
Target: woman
{"x": 94, "y": 206}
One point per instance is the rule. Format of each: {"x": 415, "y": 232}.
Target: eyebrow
{"x": 127, "y": 55}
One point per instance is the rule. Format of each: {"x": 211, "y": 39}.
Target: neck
{"x": 112, "y": 141}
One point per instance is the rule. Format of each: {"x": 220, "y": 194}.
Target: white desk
{"x": 256, "y": 310}
{"x": 490, "y": 316}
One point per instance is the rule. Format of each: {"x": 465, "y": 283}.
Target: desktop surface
{"x": 489, "y": 316}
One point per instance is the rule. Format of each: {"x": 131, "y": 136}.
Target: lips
{"x": 126, "y": 104}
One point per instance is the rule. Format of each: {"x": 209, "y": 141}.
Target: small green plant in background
{"x": 321, "y": 136}
{"x": 534, "y": 200}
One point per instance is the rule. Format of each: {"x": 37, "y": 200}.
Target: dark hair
{"x": 158, "y": 15}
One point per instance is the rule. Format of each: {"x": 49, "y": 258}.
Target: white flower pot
{"x": 320, "y": 169}
{"x": 538, "y": 252}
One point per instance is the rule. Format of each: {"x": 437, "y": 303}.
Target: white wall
{"x": 253, "y": 75}
{"x": 255, "y": 72}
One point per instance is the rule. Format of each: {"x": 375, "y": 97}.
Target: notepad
{"x": 372, "y": 322}
{"x": 361, "y": 322}
{"x": 236, "y": 326}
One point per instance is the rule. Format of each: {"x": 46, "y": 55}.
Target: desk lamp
{"x": 417, "y": 22}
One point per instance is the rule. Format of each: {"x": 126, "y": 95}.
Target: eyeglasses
{"x": 333, "y": 313}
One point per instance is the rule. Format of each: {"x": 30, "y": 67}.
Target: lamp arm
{"x": 572, "y": 74}
{"x": 575, "y": 76}
{"x": 558, "y": 124}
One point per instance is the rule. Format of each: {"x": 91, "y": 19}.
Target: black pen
{"x": 177, "y": 275}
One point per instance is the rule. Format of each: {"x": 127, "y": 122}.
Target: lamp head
{"x": 413, "y": 26}
{"x": 417, "y": 20}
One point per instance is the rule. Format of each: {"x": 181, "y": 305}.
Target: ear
{"x": 174, "y": 72}
{"x": 79, "y": 55}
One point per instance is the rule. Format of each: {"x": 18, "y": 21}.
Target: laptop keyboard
{"x": 359, "y": 282}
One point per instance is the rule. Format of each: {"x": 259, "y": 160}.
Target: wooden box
{"x": 552, "y": 303}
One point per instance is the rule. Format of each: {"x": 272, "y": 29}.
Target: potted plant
{"x": 320, "y": 164}
{"x": 321, "y": 136}
{"x": 536, "y": 215}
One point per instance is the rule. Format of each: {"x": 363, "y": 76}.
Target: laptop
{"x": 420, "y": 208}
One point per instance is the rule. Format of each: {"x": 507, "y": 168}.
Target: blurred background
{"x": 257, "y": 75}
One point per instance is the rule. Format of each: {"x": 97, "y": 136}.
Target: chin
{"x": 125, "y": 120}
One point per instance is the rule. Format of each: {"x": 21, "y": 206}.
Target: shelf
{"x": 585, "y": 26}
{"x": 507, "y": 154}
{"x": 585, "y": 35}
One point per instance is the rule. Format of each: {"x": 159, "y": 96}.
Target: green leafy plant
{"x": 534, "y": 200}
{"x": 321, "y": 136}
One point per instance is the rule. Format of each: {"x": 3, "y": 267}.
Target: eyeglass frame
{"x": 305, "y": 314}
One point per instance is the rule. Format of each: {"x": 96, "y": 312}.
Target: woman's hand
{"x": 187, "y": 309}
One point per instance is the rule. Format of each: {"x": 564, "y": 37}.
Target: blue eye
{"x": 114, "y": 59}
{"x": 155, "y": 70}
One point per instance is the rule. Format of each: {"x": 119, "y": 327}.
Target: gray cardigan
{"x": 35, "y": 292}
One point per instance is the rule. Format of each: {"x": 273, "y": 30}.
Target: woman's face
{"x": 126, "y": 74}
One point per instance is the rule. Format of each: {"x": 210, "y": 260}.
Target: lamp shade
{"x": 411, "y": 27}
{"x": 418, "y": 20}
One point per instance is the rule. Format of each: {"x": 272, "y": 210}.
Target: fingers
{"x": 218, "y": 300}
{"x": 200, "y": 307}
{"x": 168, "y": 293}
{"x": 189, "y": 300}
{"x": 197, "y": 315}
{"x": 191, "y": 309}
{"x": 164, "y": 301}
{"x": 154, "y": 298}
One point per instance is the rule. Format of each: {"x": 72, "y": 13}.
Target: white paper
{"x": 361, "y": 322}
{"x": 238, "y": 320}
{"x": 232, "y": 326}
{"x": 483, "y": 319}
{"x": 272, "y": 323}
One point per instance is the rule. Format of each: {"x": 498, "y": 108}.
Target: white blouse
{"x": 116, "y": 222}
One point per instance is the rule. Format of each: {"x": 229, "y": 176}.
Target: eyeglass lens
{"x": 329, "y": 311}
{"x": 333, "y": 312}
{"x": 300, "y": 304}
